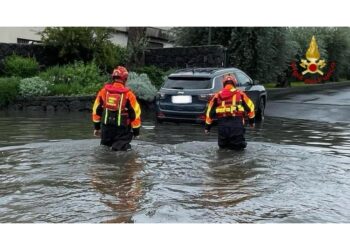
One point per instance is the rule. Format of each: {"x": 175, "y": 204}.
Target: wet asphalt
{"x": 331, "y": 105}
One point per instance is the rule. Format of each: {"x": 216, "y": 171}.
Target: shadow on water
{"x": 52, "y": 170}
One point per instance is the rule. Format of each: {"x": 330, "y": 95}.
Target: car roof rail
{"x": 199, "y": 70}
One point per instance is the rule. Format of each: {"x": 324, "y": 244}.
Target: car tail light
{"x": 205, "y": 97}
{"x": 160, "y": 114}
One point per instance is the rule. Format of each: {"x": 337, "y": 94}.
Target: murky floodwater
{"x": 53, "y": 170}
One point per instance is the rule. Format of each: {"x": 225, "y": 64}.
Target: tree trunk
{"x": 137, "y": 42}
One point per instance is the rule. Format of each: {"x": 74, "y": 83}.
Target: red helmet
{"x": 120, "y": 73}
{"x": 230, "y": 79}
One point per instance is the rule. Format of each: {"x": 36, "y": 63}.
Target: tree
{"x": 84, "y": 44}
{"x": 261, "y": 52}
{"x": 333, "y": 43}
{"x": 137, "y": 43}
{"x": 264, "y": 53}
{"x": 337, "y": 45}
{"x": 195, "y": 36}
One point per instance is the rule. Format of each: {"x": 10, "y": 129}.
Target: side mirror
{"x": 256, "y": 82}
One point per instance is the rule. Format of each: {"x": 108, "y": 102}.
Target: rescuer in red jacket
{"x": 229, "y": 106}
{"x": 116, "y": 114}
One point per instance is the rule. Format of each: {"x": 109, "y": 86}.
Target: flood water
{"x": 53, "y": 170}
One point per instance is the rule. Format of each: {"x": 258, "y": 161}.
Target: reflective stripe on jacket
{"x": 116, "y": 98}
{"x": 229, "y": 102}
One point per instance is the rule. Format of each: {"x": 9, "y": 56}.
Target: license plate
{"x": 181, "y": 99}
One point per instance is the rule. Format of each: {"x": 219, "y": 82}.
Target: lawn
{"x": 293, "y": 84}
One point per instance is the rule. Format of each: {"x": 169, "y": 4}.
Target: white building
{"x": 20, "y": 34}
{"x": 159, "y": 37}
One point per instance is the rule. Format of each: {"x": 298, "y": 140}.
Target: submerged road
{"x": 52, "y": 170}
{"x": 332, "y": 105}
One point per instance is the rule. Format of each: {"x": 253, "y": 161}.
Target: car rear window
{"x": 188, "y": 83}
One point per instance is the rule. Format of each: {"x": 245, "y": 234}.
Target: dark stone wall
{"x": 63, "y": 103}
{"x": 183, "y": 57}
{"x": 53, "y": 103}
{"x": 165, "y": 58}
{"x": 46, "y": 56}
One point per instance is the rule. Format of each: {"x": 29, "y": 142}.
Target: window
{"x": 218, "y": 81}
{"x": 188, "y": 83}
{"x": 27, "y": 41}
{"x": 242, "y": 79}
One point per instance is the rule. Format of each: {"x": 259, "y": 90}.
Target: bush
{"x": 141, "y": 86}
{"x": 85, "y": 44}
{"x": 74, "y": 79}
{"x": 20, "y": 66}
{"x": 62, "y": 89}
{"x": 91, "y": 89}
{"x": 156, "y": 75}
{"x": 8, "y": 90}
{"x": 76, "y": 73}
{"x": 34, "y": 86}
{"x": 73, "y": 89}
{"x": 109, "y": 56}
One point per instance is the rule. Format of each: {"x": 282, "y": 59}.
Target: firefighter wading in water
{"x": 116, "y": 113}
{"x": 229, "y": 107}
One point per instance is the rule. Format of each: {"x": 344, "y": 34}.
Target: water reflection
{"x": 227, "y": 184}
{"x": 120, "y": 184}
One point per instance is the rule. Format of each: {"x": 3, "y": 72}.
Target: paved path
{"x": 331, "y": 105}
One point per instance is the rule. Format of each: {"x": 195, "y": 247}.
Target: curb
{"x": 278, "y": 93}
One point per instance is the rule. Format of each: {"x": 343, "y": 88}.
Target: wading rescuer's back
{"x": 116, "y": 114}
{"x": 229, "y": 107}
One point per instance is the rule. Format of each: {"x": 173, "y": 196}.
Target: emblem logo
{"x": 312, "y": 66}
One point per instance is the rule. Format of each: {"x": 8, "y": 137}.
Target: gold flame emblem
{"x": 312, "y": 65}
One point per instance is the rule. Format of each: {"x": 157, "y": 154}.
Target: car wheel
{"x": 160, "y": 121}
{"x": 260, "y": 114}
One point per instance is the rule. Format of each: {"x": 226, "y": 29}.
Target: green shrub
{"x": 156, "y": 75}
{"x": 141, "y": 86}
{"x": 60, "y": 89}
{"x": 85, "y": 44}
{"x": 8, "y": 90}
{"x": 73, "y": 89}
{"x": 109, "y": 56}
{"x": 76, "y": 73}
{"x": 91, "y": 89}
{"x": 20, "y": 66}
{"x": 34, "y": 86}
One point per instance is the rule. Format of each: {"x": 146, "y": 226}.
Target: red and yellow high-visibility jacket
{"x": 117, "y": 102}
{"x": 229, "y": 102}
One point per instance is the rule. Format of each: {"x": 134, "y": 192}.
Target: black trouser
{"x": 231, "y": 133}
{"x": 118, "y": 138}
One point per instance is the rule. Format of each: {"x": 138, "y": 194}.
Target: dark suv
{"x": 185, "y": 94}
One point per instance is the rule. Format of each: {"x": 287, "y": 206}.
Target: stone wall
{"x": 53, "y": 103}
{"x": 62, "y": 103}
{"x": 183, "y": 57}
